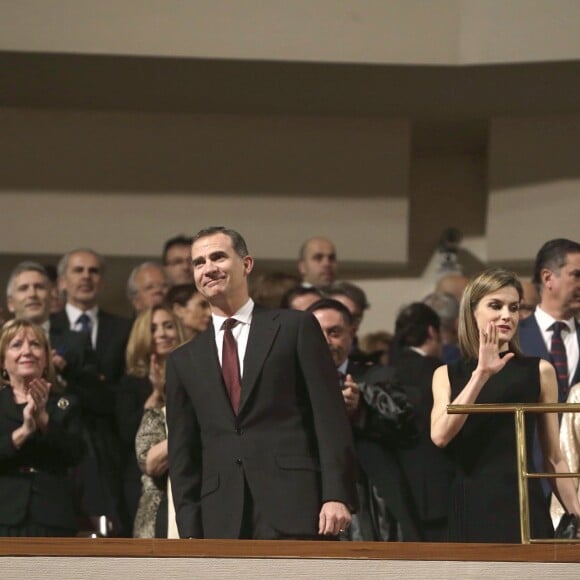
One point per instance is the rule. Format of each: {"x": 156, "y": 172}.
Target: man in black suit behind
{"x": 81, "y": 277}
{"x": 385, "y": 510}
{"x": 279, "y": 462}
{"x": 428, "y": 469}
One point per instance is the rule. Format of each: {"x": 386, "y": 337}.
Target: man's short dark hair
{"x": 180, "y": 294}
{"x": 552, "y": 256}
{"x": 412, "y": 324}
{"x": 350, "y": 290}
{"x": 179, "y": 240}
{"x": 331, "y": 304}
{"x": 238, "y": 242}
{"x": 296, "y": 292}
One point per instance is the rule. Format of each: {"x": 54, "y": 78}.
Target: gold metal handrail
{"x": 519, "y": 410}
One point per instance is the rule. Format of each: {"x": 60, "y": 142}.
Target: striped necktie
{"x": 560, "y": 359}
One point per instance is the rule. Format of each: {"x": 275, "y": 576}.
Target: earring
{"x": 4, "y": 374}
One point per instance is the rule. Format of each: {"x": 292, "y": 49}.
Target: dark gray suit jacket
{"x": 291, "y": 441}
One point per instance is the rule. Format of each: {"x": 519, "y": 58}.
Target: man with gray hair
{"x": 147, "y": 286}
{"x": 81, "y": 277}
{"x": 447, "y": 308}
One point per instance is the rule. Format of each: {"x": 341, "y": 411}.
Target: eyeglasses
{"x": 178, "y": 262}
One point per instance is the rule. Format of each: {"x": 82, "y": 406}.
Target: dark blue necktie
{"x": 85, "y": 322}
{"x": 560, "y": 359}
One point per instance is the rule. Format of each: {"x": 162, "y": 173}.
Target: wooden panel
{"x": 288, "y": 549}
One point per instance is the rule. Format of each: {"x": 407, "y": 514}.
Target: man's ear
{"x": 301, "y": 267}
{"x": 546, "y": 276}
{"x": 61, "y": 284}
{"x": 10, "y": 304}
{"x": 248, "y": 264}
{"x": 433, "y": 333}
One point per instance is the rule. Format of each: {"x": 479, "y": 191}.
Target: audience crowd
{"x": 83, "y": 434}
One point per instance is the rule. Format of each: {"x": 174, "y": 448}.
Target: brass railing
{"x": 519, "y": 410}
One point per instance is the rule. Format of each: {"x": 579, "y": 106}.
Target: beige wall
{"x": 124, "y": 182}
{"x": 357, "y": 31}
{"x": 534, "y": 184}
{"x": 379, "y": 158}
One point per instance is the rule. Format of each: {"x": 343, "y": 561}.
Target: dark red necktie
{"x": 560, "y": 359}
{"x": 231, "y": 365}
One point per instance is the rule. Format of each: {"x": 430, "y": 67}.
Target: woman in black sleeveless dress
{"x": 484, "y": 506}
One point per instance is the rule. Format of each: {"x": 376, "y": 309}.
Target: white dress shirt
{"x": 240, "y": 331}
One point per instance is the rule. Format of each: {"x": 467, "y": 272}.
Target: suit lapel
{"x": 263, "y": 330}
{"x": 534, "y": 343}
{"x": 103, "y": 334}
{"x": 212, "y": 371}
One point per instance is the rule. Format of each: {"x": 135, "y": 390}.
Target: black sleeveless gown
{"x": 484, "y": 499}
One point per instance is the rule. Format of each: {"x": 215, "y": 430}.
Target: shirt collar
{"x": 46, "y": 326}
{"x": 73, "y": 313}
{"x": 243, "y": 315}
{"x": 342, "y": 368}
{"x": 545, "y": 320}
{"x": 418, "y": 350}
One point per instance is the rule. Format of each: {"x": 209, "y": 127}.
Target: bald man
{"x": 453, "y": 283}
{"x": 317, "y": 262}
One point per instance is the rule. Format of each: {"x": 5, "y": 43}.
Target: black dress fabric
{"x": 484, "y": 498}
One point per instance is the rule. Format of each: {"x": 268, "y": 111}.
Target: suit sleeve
{"x": 184, "y": 447}
{"x": 332, "y": 428}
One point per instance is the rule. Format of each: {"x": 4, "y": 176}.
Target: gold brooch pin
{"x": 63, "y": 403}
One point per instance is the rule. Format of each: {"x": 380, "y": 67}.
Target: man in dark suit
{"x": 427, "y": 468}
{"x": 259, "y": 441}
{"x": 385, "y": 512}
{"x": 557, "y": 278}
{"x": 81, "y": 277}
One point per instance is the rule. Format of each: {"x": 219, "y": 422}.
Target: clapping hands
{"x": 157, "y": 378}
{"x": 350, "y": 395}
{"x": 34, "y": 413}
